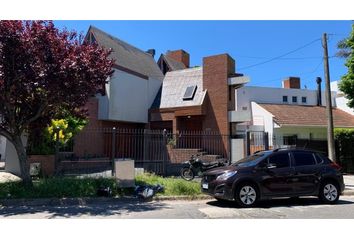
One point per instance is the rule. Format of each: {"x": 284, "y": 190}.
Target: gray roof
{"x": 173, "y": 64}
{"x": 174, "y": 86}
{"x": 127, "y": 55}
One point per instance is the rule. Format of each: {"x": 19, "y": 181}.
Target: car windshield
{"x": 251, "y": 160}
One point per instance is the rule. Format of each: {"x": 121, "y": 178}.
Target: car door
{"x": 307, "y": 172}
{"x": 276, "y": 175}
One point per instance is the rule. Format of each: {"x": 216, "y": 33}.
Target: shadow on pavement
{"x": 100, "y": 209}
{"x": 285, "y": 202}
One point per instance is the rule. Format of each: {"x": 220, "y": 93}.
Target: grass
{"x": 173, "y": 186}
{"x": 87, "y": 187}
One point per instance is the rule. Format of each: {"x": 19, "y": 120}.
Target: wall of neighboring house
{"x": 342, "y": 101}
{"x": 302, "y": 132}
{"x": 128, "y": 98}
{"x": 261, "y": 117}
{"x": 245, "y": 95}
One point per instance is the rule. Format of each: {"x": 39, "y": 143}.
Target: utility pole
{"x": 330, "y": 134}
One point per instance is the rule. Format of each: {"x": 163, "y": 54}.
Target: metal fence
{"x": 93, "y": 150}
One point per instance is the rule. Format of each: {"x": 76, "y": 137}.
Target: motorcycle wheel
{"x": 187, "y": 174}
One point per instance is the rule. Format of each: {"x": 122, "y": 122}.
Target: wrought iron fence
{"x": 154, "y": 150}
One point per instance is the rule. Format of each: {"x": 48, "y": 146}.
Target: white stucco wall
{"x": 128, "y": 98}
{"x": 261, "y": 117}
{"x": 2, "y": 147}
{"x": 12, "y": 163}
{"x": 245, "y": 95}
{"x": 342, "y": 101}
{"x": 302, "y": 132}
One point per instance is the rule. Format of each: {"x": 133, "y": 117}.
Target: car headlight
{"x": 226, "y": 175}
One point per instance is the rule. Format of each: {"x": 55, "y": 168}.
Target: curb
{"x": 94, "y": 200}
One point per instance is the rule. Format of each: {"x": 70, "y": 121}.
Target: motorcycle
{"x": 196, "y": 167}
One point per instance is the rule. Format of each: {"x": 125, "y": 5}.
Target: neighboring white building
{"x": 342, "y": 102}
{"x": 286, "y": 112}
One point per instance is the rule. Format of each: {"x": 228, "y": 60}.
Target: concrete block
{"x": 125, "y": 172}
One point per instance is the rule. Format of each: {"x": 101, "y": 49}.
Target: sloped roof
{"x": 127, "y": 55}
{"x": 174, "y": 86}
{"x": 303, "y": 115}
{"x": 173, "y": 64}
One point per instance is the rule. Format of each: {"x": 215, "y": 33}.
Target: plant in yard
{"x": 43, "y": 72}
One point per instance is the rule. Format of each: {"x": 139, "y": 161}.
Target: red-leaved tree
{"x": 44, "y": 70}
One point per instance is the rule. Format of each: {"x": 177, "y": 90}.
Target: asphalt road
{"x": 281, "y": 208}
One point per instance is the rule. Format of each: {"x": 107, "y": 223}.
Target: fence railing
{"x": 152, "y": 150}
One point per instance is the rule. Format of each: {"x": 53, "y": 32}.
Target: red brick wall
{"x": 216, "y": 70}
{"x": 292, "y": 82}
{"x": 180, "y": 56}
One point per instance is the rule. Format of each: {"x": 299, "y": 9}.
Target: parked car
{"x": 274, "y": 174}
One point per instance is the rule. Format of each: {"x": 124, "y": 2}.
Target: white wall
{"x": 245, "y": 95}
{"x": 302, "y": 132}
{"x": 261, "y": 117}
{"x": 342, "y": 101}
{"x": 128, "y": 98}
{"x": 2, "y": 147}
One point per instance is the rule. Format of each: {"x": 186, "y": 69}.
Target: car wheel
{"x": 329, "y": 192}
{"x": 246, "y": 195}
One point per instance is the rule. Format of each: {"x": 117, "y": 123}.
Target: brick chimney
{"x": 291, "y": 82}
{"x": 180, "y": 56}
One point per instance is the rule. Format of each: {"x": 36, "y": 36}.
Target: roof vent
{"x": 189, "y": 93}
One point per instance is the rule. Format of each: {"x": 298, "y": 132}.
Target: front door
{"x": 277, "y": 180}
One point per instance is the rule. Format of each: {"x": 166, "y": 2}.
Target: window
{"x": 304, "y": 158}
{"x": 189, "y": 93}
{"x": 280, "y": 160}
{"x": 285, "y": 98}
{"x": 304, "y": 100}
{"x": 294, "y": 99}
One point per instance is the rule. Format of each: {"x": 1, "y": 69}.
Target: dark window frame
{"x": 289, "y": 159}
{"x": 292, "y": 99}
{"x": 304, "y": 99}
{"x": 285, "y": 99}
{"x": 294, "y": 159}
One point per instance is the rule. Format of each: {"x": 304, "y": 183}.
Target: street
{"x": 201, "y": 209}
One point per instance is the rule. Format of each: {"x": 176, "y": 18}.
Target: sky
{"x": 250, "y": 43}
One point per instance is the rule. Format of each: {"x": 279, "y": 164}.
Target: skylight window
{"x": 189, "y": 93}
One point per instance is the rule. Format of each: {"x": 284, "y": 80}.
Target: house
{"x": 288, "y": 113}
{"x": 197, "y": 100}
{"x": 126, "y": 98}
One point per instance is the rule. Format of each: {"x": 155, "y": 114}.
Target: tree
{"x": 43, "y": 71}
{"x": 346, "y": 84}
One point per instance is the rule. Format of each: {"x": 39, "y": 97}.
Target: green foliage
{"x": 346, "y": 84}
{"x": 345, "y": 139}
{"x": 57, "y": 187}
{"x": 173, "y": 186}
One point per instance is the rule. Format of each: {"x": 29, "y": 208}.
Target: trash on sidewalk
{"x": 146, "y": 192}
{"x": 104, "y": 191}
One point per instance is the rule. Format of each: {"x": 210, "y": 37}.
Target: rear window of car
{"x": 280, "y": 160}
{"x": 304, "y": 158}
{"x": 321, "y": 158}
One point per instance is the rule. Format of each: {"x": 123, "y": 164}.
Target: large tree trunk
{"x": 22, "y": 157}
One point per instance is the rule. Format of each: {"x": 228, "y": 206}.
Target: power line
{"x": 302, "y": 73}
{"x": 283, "y": 55}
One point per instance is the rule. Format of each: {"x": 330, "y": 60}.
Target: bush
{"x": 57, "y": 187}
{"x": 345, "y": 150}
{"x": 172, "y": 185}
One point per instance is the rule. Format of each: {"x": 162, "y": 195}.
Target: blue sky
{"x": 248, "y": 42}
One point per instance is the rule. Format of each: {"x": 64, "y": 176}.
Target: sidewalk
{"x": 349, "y": 184}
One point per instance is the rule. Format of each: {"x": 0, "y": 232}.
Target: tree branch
{"x": 6, "y": 134}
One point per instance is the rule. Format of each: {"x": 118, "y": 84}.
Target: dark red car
{"x": 273, "y": 174}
